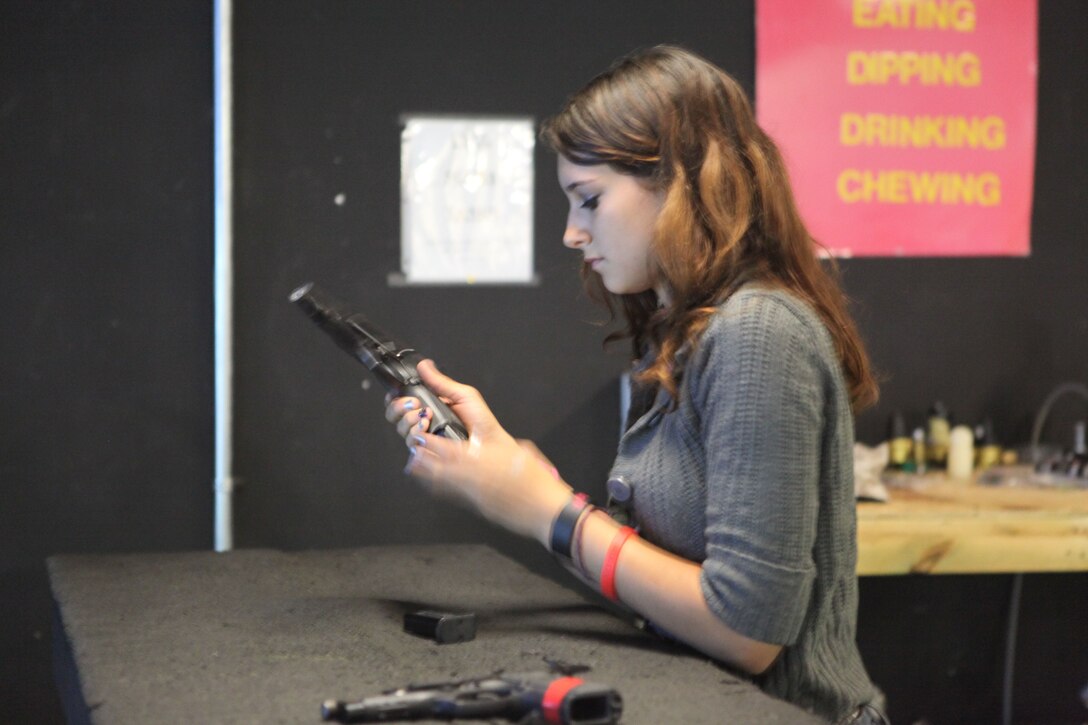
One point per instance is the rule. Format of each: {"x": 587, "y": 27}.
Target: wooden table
{"x": 942, "y": 527}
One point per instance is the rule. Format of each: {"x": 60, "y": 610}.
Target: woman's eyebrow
{"x": 575, "y": 184}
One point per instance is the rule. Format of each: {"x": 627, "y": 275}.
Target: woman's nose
{"x": 575, "y": 236}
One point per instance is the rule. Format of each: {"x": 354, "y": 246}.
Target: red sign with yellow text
{"x": 908, "y": 126}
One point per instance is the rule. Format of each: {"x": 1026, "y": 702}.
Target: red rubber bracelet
{"x": 608, "y": 570}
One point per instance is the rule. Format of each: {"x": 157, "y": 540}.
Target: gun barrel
{"x": 316, "y": 303}
{"x": 392, "y": 363}
{"x": 383, "y": 708}
{"x": 329, "y": 316}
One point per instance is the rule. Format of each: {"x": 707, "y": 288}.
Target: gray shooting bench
{"x": 264, "y": 636}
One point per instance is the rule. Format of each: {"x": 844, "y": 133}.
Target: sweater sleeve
{"x": 758, "y": 382}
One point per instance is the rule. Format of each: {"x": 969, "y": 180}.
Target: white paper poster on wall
{"x": 467, "y": 200}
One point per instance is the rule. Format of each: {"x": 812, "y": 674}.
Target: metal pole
{"x": 224, "y": 278}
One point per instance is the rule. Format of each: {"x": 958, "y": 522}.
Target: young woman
{"x": 737, "y": 463}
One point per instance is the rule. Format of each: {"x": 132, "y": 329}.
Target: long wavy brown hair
{"x": 686, "y": 127}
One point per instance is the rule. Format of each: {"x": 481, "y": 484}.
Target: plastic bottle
{"x": 937, "y": 436}
{"x": 961, "y": 453}
{"x": 987, "y": 450}
{"x": 899, "y": 443}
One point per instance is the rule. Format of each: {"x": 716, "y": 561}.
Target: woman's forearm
{"x": 666, "y": 589}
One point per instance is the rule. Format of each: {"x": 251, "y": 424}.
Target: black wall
{"x": 106, "y": 414}
{"x": 105, "y": 252}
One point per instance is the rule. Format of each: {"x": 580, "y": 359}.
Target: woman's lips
{"x": 594, "y": 261}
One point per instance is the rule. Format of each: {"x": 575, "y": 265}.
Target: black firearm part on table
{"x": 556, "y": 696}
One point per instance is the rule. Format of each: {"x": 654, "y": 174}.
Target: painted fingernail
{"x": 411, "y": 404}
{"x": 419, "y": 440}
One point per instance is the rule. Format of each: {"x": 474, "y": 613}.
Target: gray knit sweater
{"x": 752, "y": 475}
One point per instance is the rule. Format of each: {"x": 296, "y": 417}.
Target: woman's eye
{"x": 591, "y": 202}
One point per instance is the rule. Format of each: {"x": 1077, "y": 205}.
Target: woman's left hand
{"x": 504, "y": 480}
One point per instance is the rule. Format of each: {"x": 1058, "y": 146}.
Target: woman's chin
{"x": 621, "y": 289}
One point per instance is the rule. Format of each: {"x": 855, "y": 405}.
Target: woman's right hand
{"x": 411, "y": 417}
{"x": 506, "y": 481}
{"x": 408, "y": 414}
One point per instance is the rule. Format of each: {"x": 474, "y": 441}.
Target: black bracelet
{"x": 564, "y": 525}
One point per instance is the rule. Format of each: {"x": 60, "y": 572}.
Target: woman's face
{"x": 611, "y": 221}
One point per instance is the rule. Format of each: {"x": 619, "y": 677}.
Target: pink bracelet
{"x": 576, "y": 540}
{"x": 608, "y": 570}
